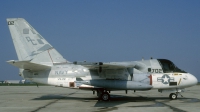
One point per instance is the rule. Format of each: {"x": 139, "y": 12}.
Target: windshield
{"x": 169, "y": 67}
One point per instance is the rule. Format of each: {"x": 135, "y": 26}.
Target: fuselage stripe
{"x": 150, "y": 79}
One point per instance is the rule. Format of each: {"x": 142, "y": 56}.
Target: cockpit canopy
{"x": 169, "y": 67}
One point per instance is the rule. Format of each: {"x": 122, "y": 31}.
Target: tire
{"x": 105, "y": 96}
{"x": 173, "y": 96}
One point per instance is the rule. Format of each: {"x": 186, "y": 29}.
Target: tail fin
{"x": 30, "y": 45}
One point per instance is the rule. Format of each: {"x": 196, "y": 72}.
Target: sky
{"x": 108, "y": 30}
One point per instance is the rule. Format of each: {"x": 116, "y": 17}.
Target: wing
{"x": 27, "y": 65}
{"x": 110, "y": 65}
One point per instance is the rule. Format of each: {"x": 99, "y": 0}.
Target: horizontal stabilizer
{"x": 27, "y": 65}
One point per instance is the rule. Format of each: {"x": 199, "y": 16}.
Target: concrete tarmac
{"x": 57, "y": 99}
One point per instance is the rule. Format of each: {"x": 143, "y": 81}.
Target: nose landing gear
{"x": 173, "y": 96}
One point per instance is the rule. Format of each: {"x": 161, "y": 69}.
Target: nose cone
{"x": 193, "y": 80}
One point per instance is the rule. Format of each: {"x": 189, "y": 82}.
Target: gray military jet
{"x": 39, "y": 62}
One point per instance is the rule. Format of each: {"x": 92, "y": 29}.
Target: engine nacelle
{"x": 142, "y": 78}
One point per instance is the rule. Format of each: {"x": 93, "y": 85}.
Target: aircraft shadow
{"x": 118, "y": 100}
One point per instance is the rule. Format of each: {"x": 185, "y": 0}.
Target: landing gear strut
{"x": 173, "y": 96}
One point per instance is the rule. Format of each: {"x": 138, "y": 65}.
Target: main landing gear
{"x": 103, "y": 95}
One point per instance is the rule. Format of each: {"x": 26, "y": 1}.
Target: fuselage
{"x": 150, "y": 73}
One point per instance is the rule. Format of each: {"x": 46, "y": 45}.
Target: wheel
{"x": 173, "y": 96}
{"x": 105, "y": 96}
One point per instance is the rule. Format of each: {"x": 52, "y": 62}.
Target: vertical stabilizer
{"x": 30, "y": 45}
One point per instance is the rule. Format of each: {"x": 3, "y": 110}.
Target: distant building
{"x": 28, "y": 82}
{"x": 22, "y": 81}
{"x": 12, "y": 81}
{"x": 17, "y": 82}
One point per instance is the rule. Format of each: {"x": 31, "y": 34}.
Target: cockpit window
{"x": 169, "y": 67}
